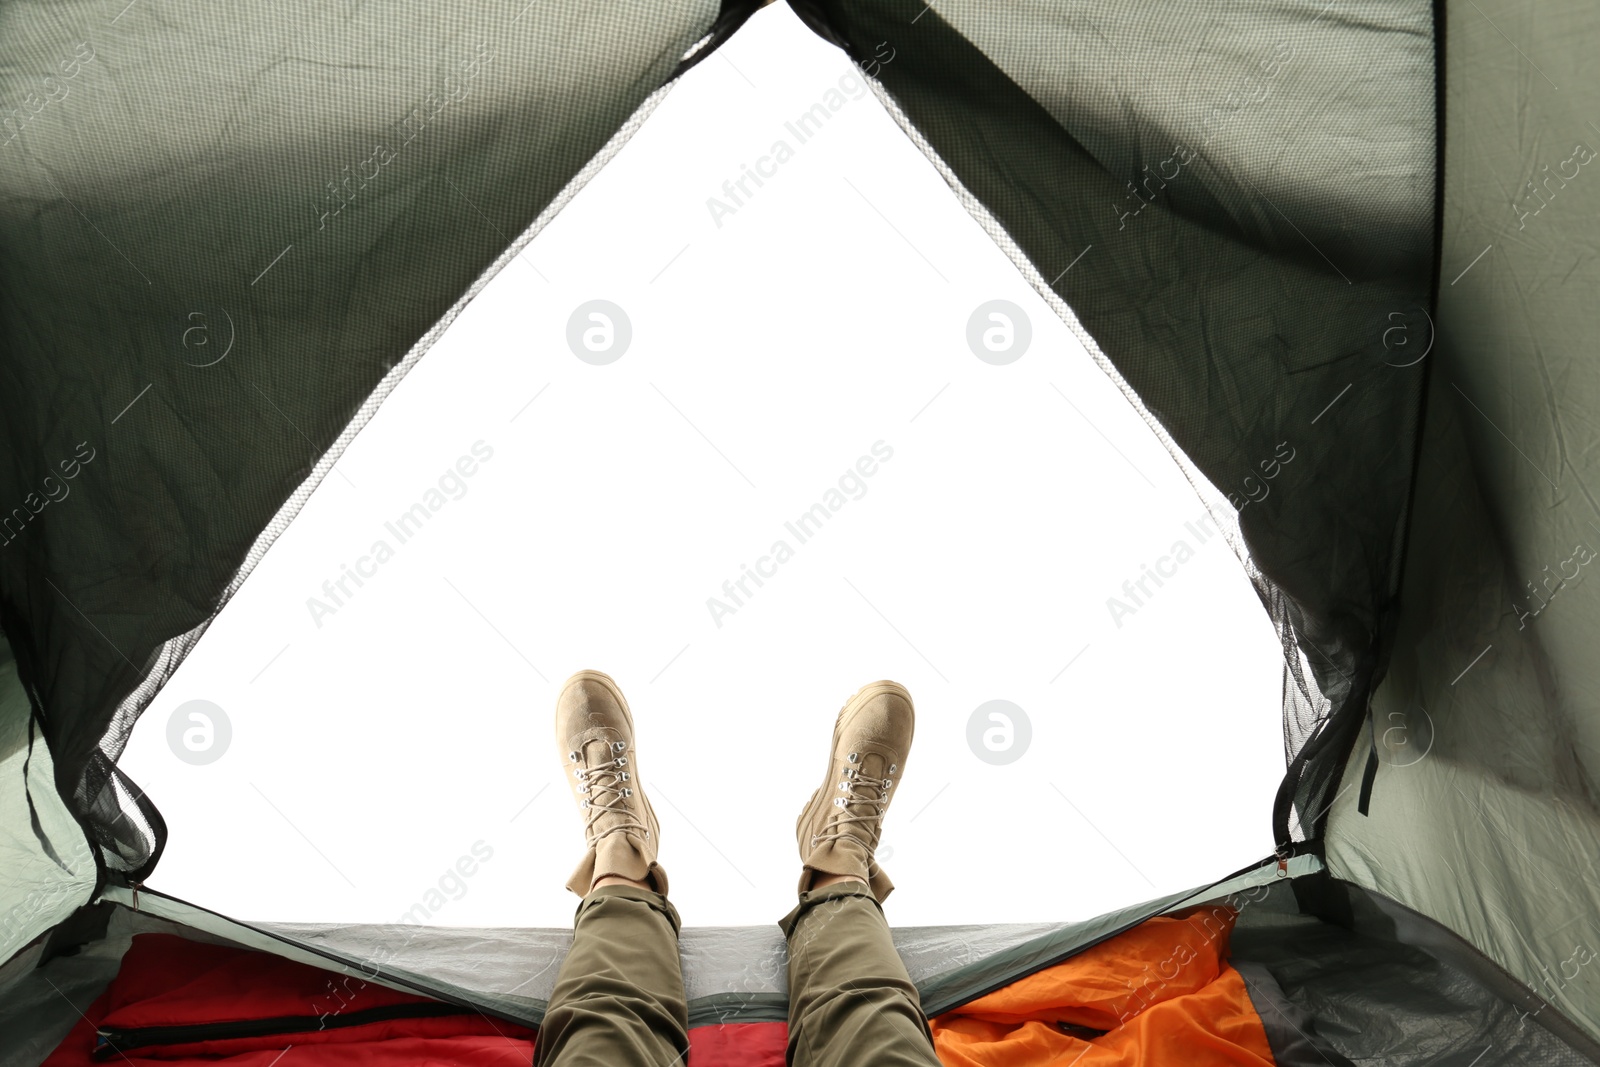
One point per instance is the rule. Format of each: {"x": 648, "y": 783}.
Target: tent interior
{"x": 1357, "y": 231}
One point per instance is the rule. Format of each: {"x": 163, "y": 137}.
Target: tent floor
{"x": 1323, "y": 990}
{"x": 1366, "y": 994}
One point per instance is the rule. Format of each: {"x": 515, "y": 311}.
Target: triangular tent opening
{"x": 517, "y": 513}
{"x": 1273, "y": 227}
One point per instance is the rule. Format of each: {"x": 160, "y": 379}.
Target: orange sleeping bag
{"x": 1159, "y": 994}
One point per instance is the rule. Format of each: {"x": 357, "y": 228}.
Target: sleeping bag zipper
{"x": 122, "y": 1039}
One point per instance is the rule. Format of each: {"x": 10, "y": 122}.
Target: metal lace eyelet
{"x": 647, "y": 833}
{"x": 627, "y": 792}
{"x": 580, "y": 773}
{"x": 844, "y": 787}
{"x": 853, "y": 756}
{"x": 573, "y": 756}
{"x": 839, "y": 802}
{"x": 619, "y": 746}
{"x": 893, "y": 767}
{"x": 621, "y": 761}
{"x": 888, "y": 783}
{"x": 624, "y": 776}
{"x": 583, "y": 803}
{"x": 584, "y": 788}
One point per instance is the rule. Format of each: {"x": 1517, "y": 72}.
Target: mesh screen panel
{"x": 222, "y": 227}
{"x": 1237, "y": 201}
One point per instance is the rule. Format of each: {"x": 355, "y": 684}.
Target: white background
{"x": 828, "y": 312}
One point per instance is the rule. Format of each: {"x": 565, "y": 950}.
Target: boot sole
{"x": 860, "y": 697}
{"x": 611, "y": 686}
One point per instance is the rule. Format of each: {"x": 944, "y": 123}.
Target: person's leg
{"x": 619, "y": 999}
{"x": 851, "y": 1001}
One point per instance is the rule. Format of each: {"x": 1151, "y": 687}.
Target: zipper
{"x": 121, "y": 1039}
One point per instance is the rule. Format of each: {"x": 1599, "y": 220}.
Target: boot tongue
{"x": 871, "y": 766}
{"x": 619, "y": 852}
{"x": 852, "y": 852}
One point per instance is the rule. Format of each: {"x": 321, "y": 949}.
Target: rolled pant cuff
{"x": 657, "y": 901}
{"x": 812, "y": 897}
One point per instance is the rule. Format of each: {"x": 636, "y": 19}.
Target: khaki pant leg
{"x": 619, "y": 1000}
{"x": 850, "y": 999}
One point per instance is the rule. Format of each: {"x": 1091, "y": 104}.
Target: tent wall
{"x": 1235, "y": 201}
{"x": 39, "y": 1001}
{"x": 47, "y": 870}
{"x": 1484, "y": 742}
{"x": 221, "y": 229}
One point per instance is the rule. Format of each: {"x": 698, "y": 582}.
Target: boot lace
{"x": 604, "y": 788}
{"x": 872, "y": 796}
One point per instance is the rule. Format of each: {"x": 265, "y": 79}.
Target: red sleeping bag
{"x": 177, "y": 1002}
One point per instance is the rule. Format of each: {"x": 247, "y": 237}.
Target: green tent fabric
{"x": 1497, "y": 832}
{"x": 1362, "y": 231}
{"x": 49, "y": 869}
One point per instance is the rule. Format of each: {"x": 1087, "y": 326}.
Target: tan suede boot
{"x": 839, "y": 829}
{"x": 594, "y": 731}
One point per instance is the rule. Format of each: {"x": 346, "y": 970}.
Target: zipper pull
{"x": 1283, "y": 853}
{"x": 135, "y": 886}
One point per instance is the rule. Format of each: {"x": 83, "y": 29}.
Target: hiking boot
{"x": 594, "y": 731}
{"x": 839, "y": 829}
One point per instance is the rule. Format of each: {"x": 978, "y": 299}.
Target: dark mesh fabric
{"x": 221, "y": 227}
{"x": 1237, "y": 201}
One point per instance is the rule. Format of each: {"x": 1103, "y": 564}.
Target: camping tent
{"x": 1356, "y": 230}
